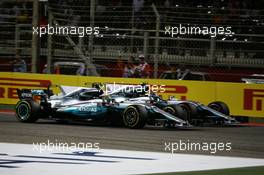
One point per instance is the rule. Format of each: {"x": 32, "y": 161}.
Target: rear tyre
{"x": 178, "y": 111}
{"x": 220, "y": 107}
{"x": 190, "y": 109}
{"x": 135, "y": 117}
{"x": 27, "y": 111}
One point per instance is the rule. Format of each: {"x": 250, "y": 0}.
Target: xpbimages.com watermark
{"x": 140, "y": 89}
{"x": 64, "y": 146}
{"x": 213, "y": 31}
{"x": 211, "y": 147}
{"x": 65, "y": 30}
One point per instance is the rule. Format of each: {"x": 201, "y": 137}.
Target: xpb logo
{"x": 253, "y": 97}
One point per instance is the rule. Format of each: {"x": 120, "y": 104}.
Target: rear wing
{"x": 30, "y": 93}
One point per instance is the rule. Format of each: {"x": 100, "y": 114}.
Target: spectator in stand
{"x": 81, "y": 70}
{"x": 143, "y": 67}
{"x": 186, "y": 74}
{"x": 16, "y": 11}
{"x": 138, "y": 5}
{"x": 19, "y": 65}
{"x": 179, "y": 73}
{"x": 119, "y": 67}
{"x": 21, "y": 13}
{"x": 129, "y": 68}
{"x": 57, "y": 70}
{"x": 45, "y": 70}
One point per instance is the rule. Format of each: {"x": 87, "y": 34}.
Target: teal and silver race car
{"x": 216, "y": 113}
{"x": 90, "y": 104}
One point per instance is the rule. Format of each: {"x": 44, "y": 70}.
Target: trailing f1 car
{"x": 194, "y": 112}
{"x": 90, "y": 104}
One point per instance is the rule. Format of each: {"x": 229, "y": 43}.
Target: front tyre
{"x": 27, "y": 110}
{"x": 220, "y": 107}
{"x": 178, "y": 111}
{"x": 135, "y": 117}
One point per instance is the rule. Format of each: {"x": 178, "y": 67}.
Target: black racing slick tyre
{"x": 220, "y": 107}
{"x": 190, "y": 109}
{"x": 135, "y": 117}
{"x": 27, "y": 111}
{"x": 178, "y": 111}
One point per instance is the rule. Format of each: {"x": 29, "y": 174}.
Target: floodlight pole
{"x": 35, "y": 37}
{"x": 132, "y": 29}
{"x": 17, "y": 40}
{"x": 49, "y": 43}
{"x": 156, "y": 41}
{"x": 90, "y": 44}
{"x": 146, "y": 43}
{"x": 212, "y": 50}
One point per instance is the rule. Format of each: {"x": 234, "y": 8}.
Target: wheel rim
{"x": 170, "y": 110}
{"x": 131, "y": 116}
{"x": 23, "y": 111}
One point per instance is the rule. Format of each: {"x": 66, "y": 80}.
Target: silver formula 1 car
{"x": 194, "y": 112}
{"x": 91, "y": 104}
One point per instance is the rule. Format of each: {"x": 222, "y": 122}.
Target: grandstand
{"x": 130, "y": 28}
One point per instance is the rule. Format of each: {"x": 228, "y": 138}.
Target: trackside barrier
{"x": 243, "y": 99}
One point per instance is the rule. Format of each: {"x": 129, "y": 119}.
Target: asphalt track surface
{"x": 247, "y": 141}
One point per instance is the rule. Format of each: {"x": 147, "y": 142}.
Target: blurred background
{"x": 130, "y": 30}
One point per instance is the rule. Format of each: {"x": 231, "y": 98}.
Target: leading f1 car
{"x": 194, "y": 113}
{"x": 90, "y": 104}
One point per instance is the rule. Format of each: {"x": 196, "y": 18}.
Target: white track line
{"x": 20, "y": 159}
